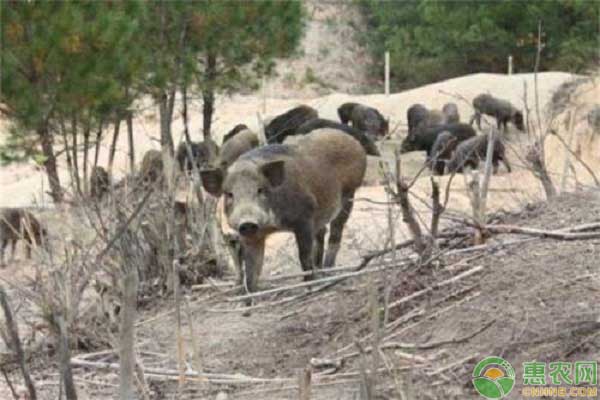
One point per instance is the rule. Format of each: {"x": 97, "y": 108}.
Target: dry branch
{"x": 446, "y": 282}
{"x": 13, "y": 332}
{"x": 541, "y": 233}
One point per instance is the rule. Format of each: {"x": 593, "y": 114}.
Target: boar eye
{"x": 229, "y": 195}
{"x": 261, "y": 190}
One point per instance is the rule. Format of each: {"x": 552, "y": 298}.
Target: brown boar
{"x": 239, "y": 144}
{"x": 299, "y": 188}
{"x": 17, "y": 224}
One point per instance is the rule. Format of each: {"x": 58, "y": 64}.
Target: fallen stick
{"x": 452, "y": 365}
{"x": 560, "y": 234}
{"x": 173, "y": 373}
{"x": 432, "y": 345}
{"x": 436, "y": 286}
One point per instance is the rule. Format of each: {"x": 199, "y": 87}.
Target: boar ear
{"x": 274, "y": 172}
{"x": 212, "y": 180}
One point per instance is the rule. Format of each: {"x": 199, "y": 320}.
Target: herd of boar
{"x": 303, "y": 180}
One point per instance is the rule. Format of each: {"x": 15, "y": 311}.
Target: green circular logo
{"x": 494, "y": 378}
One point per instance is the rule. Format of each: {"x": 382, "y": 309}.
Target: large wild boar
{"x": 239, "y": 144}
{"x": 287, "y": 123}
{"x": 297, "y": 188}
{"x": 364, "y": 118}
{"x": 470, "y": 152}
{"x": 99, "y": 183}
{"x": 502, "y": 110}
{"x": 320, "y": 123}
{"x": 202, "y": 154}
{"x": 423, "y": 138}
{"x": 17, "y": 224}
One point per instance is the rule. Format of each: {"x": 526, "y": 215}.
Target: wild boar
{"x": 319, "y": 123}
{"x": 502, "y": 110}
{"x": 593, "y": 118}
{"x": 286, "y": 124}
{"x": 236, "y": 129}
{"x": 298, "y": 188}
{"x": 239, "y": 144}
{"x": 415, "y": 115}
{"x": 364, "y": 118}
{"x": 152, "y": 169}
{"x": 202, "y": 153}
{"x": 423, "y": 138}
{"x": 450, "y": 111}
{"x": 17, "y": 224}
{"x": 441, "y": 152}
{"x": 99, "y": 183}
{"x": 470, "y": 152}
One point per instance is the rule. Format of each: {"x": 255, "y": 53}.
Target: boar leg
{"x": 320, "y": 247}
{"x": 337, "y": 228}
{"x": 3, "y": 246}
{"x": 13, "y": 244}
{"x": 253, "y": 254}
{"x": 305, "y": 239}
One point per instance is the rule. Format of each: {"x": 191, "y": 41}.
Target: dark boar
{"x": 319, "y": 123}
{"x": 202, "y": 154}
{"x": 345, "y": 112}
{"x": 593, "y": 118}
{"x": 152, "y": 169}
{"x": 236, "y": 129}
{"x": 450, "y": 111}
{"x": 298, "y": 188}
{"x": 285, "y": 125}
{"x": 364, "y": 118}
{"x": 423, "y": 138}
{"x": 99, "y": 183}
{"x": 416, "y": 115}
{"x": 17, "y": 224}
{"x": 239, "y": 144}
{"x": 470, "y": 152}
{"x": 502, "y": 110}
{"x": 441, "y": 152}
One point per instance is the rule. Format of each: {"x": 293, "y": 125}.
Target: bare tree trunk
{"x": 75, "y": 160}
{"x": 86, "y": 151}
{"x": 208, "y": 95}
{"x": 408, "y": 213}
{"x": 487, "y": 173}
{"x": 130, "y": 142}
{"x": 64, "y": 354}
{"x": 127, "y": 335}
{"x": 63, "y": 131}
{"x": 223, "y": 255}
{"x": 165, "y": 106}
{"x": 46, "y": 139}
{"x": 113, "y": 146}
{"x": 534, "y": 157}
{"x": 13, "y": 331}
{"x": 98, "y": 144}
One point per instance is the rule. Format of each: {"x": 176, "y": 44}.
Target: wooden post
{"x": 387, "y": 73}
{"x": 264, "y": 95}
{"x": 510, "y": 65}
